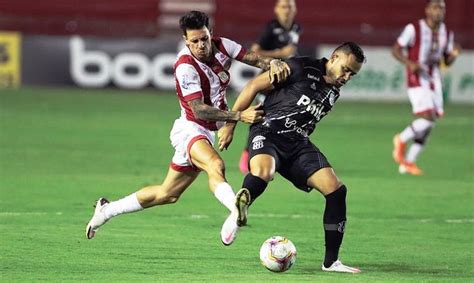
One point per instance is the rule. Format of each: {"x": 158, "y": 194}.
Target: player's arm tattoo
{"x": 279, "y": 70}
{"x": 205, "y": 112}
{"x": 253, "y": 59}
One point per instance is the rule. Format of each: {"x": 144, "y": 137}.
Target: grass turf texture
{"x": 62, "y": 149}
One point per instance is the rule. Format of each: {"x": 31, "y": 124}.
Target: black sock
{"x": 334, "y": 223}
{"x": 255, "y": 185}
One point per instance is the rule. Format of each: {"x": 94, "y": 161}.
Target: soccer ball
{"x": 278, "y": 254}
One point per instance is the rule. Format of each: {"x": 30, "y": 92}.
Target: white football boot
{"x": 98, "y": 219}
{"x": 229, "y": 229}
{"x": 337, "y": 266}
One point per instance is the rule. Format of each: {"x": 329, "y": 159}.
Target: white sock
{"x": 418, "y": 126}
{"x": 413, "y": 152}
{"x": 125, "y": 205}
{"x": 225, "y": 195}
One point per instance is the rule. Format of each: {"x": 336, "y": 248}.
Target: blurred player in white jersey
{"x": 202, "y": 76}
{"x": 427, "y": 43}
{"x": 279, "y": 40}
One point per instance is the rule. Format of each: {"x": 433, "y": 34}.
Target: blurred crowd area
{"x": 369, "y": 22}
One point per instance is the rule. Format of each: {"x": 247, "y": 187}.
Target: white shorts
{"x": 424, "y": 100}
{"x": 183, "y": 135}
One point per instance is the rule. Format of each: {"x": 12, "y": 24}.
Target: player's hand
{"x": 251, "y": 115}
{"x": 414, "y": 67}
{"x": 279, "y": 71}
{"x": 225, "y": 135}
{"x": 456, "y": 50}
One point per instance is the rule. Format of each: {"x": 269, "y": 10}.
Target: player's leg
{"x": 334, "y": 220}
{"x": 421, "y": 137}
{"x": 169, "y": 191}
{"x": 206, "y": 158}
{"x": 423, "y": 108}
{"x": 262, "y": 170}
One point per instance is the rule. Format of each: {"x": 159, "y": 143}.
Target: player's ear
{"x": 185, "y": 40}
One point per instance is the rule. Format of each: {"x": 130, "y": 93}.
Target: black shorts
{"x": 296, "y": 160}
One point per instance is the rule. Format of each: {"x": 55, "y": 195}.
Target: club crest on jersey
{"x": 258, "y": 138}
{"x": 313, "y": 86}
{"x": 257, "y": 142}
{"x": 223, "y": 76}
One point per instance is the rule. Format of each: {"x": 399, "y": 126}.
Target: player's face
{"x": 341, "y": 68}
{"x": 199, "y": 43}
{"x": 285, "y": 11}
{"x": 435, "y": 11}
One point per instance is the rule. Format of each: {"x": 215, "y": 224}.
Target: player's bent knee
{"x": 263, "y": 173}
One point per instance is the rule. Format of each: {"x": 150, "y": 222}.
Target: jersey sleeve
{"x": 450, "y": 45}
{"x": 407, "y": 37}
{"x": 297, "y": 67}
{"x": 189, "y": 82}
{"x": 234, "y": 49}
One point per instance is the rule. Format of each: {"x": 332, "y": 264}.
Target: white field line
{"x": 251, "y": 215}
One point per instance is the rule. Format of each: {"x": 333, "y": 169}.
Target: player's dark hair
{"x": 431, "y": 1}
{"x": 352, "y": 48}
{"x": 193, "y": 20}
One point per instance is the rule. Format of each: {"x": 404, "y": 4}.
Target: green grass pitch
{"x": 62, "y": 149}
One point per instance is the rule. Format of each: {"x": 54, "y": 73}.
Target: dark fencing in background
{"x": 369, "y": 22}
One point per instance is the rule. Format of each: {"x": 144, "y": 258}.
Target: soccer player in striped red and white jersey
{"x": 202, "y": 76}
{"x": 427, "y": 43}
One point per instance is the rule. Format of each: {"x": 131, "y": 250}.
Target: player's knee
{"x": 332, "y": 185}
{"x": 264, "y": 173}
{"x": 423, "y": 137}
{"x": 215, "y": 166}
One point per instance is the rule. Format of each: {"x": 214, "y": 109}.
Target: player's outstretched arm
{"x": 245, "y": 98}
{"x": 205, "y": 112}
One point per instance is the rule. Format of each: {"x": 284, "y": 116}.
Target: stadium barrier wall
{"x": 137, "y": 63}
{"x": 383, "y": 78}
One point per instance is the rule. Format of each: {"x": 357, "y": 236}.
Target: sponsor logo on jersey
{"x": 313, "y": 77}
{"x": 316, "y": 109}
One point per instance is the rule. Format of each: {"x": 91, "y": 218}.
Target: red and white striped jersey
{"x": 426, "y": 47}
{"x": 206, "y": 81}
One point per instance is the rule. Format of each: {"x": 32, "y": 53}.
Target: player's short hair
{"x": 352, "y": 48}
{"x": 431, "y": 1}
{"x": 193, "y": 20}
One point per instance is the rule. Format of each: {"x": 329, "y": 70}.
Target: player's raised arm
{"x": 279, "y": 70}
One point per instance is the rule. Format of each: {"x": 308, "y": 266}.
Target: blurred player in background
{"x": 279, "y": 40}
{"x": 428, "y": 42}
{"x": 202, "y": 76}
{"x": 280, "y": 143}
